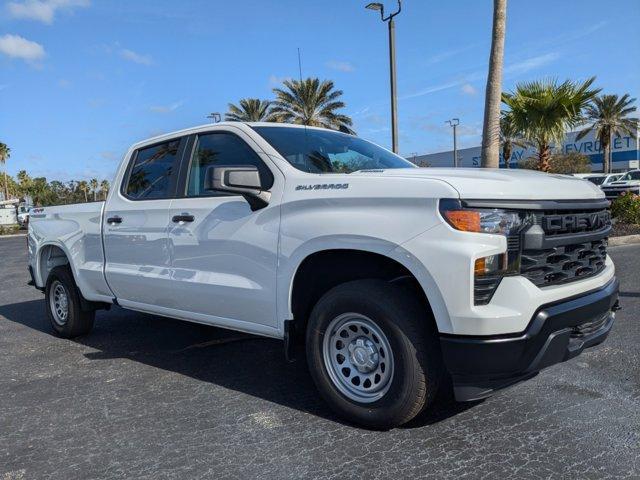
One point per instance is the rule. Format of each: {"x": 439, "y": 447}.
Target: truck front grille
{"x": 564, "y": 241}
{"x": 564, "y": 263}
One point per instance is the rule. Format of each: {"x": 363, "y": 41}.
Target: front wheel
{"x": 373, "y": 353}
{"x": 64, "y": 308}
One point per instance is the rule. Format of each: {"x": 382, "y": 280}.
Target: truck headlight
{"x": 481, "y": 220}
{"x": 489, "y": 271}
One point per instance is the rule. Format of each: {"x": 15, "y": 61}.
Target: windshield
{"x": 596, "y": 180}
{"x": 631, "y": 176}
{"x": 325, "y": 151}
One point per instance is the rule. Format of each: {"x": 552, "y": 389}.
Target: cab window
{"x": 222, "y": 149}
{"x": 151, "y": 175}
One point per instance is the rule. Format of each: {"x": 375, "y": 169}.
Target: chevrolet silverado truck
{"x": 398, "y": 282}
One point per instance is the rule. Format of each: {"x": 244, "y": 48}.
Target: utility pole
{"x": 392, "y": 68}
{"x": 454, "y": 122}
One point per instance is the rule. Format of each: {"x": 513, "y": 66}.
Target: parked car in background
{"x": 604, "y": 179}
{"x": 629, "y": 182}
{"x": 23, "y": 216}
{"x": 394, "y": 278}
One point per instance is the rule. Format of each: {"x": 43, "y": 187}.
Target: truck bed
{"x": 76, "y": 230}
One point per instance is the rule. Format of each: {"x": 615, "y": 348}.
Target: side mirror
{"x": 242, "y": 180}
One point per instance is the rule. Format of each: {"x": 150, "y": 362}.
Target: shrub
{"x": 626, "y": 208}
{"x": 9, "y": 229}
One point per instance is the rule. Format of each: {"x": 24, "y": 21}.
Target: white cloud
{"x": 42, "y": 10}
{"x": 136, "y": 57}
{"x": 532, "y": 63}
{"x": 275, "y": 81}
{"x": 64, "y": 83}
{"x": 469, "y": 89}
{"x": 166, "y": 108}
{"x": 340, "y": 66}
{"x": 15, "y": 46}
{"x": 510, "y": 70}
{"x": 445, "y": 55}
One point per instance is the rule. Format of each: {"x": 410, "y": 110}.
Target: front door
{"x": 137, "y": 249}
{"x": 224, "y": 255}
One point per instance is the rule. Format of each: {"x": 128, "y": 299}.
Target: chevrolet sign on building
{"x": 626, "y": 154}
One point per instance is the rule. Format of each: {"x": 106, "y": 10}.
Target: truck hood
{"x": 490, "y": 183}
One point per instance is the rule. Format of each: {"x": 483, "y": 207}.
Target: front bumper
{"x": 611, "y": 193}
{"x": 558, "y": 331}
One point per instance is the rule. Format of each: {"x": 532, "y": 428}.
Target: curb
{"x": 20, "y": 235}
{"x": 624, "y": 240}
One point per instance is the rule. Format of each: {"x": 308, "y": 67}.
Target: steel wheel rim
{"x": 358, "y": 357}
{"x": 59, "y": 302}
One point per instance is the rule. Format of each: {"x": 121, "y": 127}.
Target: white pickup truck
{"x": 399, "y": 281}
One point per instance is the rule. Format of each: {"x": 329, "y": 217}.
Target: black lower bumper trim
{"x": 557, "y": 332}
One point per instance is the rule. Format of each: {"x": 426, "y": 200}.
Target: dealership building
{"x": 626, "y": 154}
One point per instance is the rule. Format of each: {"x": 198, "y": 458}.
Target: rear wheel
{"x": 63, "y": 304}
{"x": 373, "y": 353}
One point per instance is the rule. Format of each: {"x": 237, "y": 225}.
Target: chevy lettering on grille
{"x": 573, "y": 222}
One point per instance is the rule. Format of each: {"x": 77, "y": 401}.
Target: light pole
{"x": 215, "y": 117}
{"x": 454, "y": 122}
{"x": 392, "y": 68}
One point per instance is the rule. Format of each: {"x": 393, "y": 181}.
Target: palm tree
{"x": 93, "y": 183}
{"x": 5, "y": 153}
{"x": 608, "y": 116}
{"x": 24, "y": 183}
{"x": 544, "y": 110}
{"x": 83, "y": 186}
{"x": 509, "y": 136}
{"x": 490, "y": 152}
{"x": 104, "y": 188}
{"x": 310, "y": 102}
{"x": 250, "y": 110}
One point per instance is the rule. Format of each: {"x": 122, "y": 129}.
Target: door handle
{"x": 114, "y": 219}
{"x": 184, "y": 217}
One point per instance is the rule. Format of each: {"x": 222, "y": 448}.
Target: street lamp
{"x": 215, "y": 117}
{"x": 392, "y": 67}
{"x": 454, "y": 122}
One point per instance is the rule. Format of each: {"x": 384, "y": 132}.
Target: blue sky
{"x": 80, "y": 80}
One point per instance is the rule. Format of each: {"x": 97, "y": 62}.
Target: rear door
{"x": 224, "y": 254}
{"x": 137, "y": 249}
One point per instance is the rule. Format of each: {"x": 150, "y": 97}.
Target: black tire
{"x": 412, "y": 336}
{"x": 78, "y": 321}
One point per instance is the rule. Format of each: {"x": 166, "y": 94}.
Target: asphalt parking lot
{"x": 147, "y": 398}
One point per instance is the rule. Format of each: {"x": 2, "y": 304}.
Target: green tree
{"x": 490, "y": 151}
{"x": 83, "y": 186}
{"x": 104, "y": 188}
{"x": 41, "y": 193}
{"x": 608, "y": 116}
{"x": 310, "y": 102}
{"x": 565, "y": 163}
{"x": 509, "y": 137}
{"x": 5, "y": 153}
{"x": 249, "y": 110}
{"x": 24, "y": 183}
{"x": 12, "y": 186}
{"x": 93, "y": 184}
{"x": 544, "y": 110}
